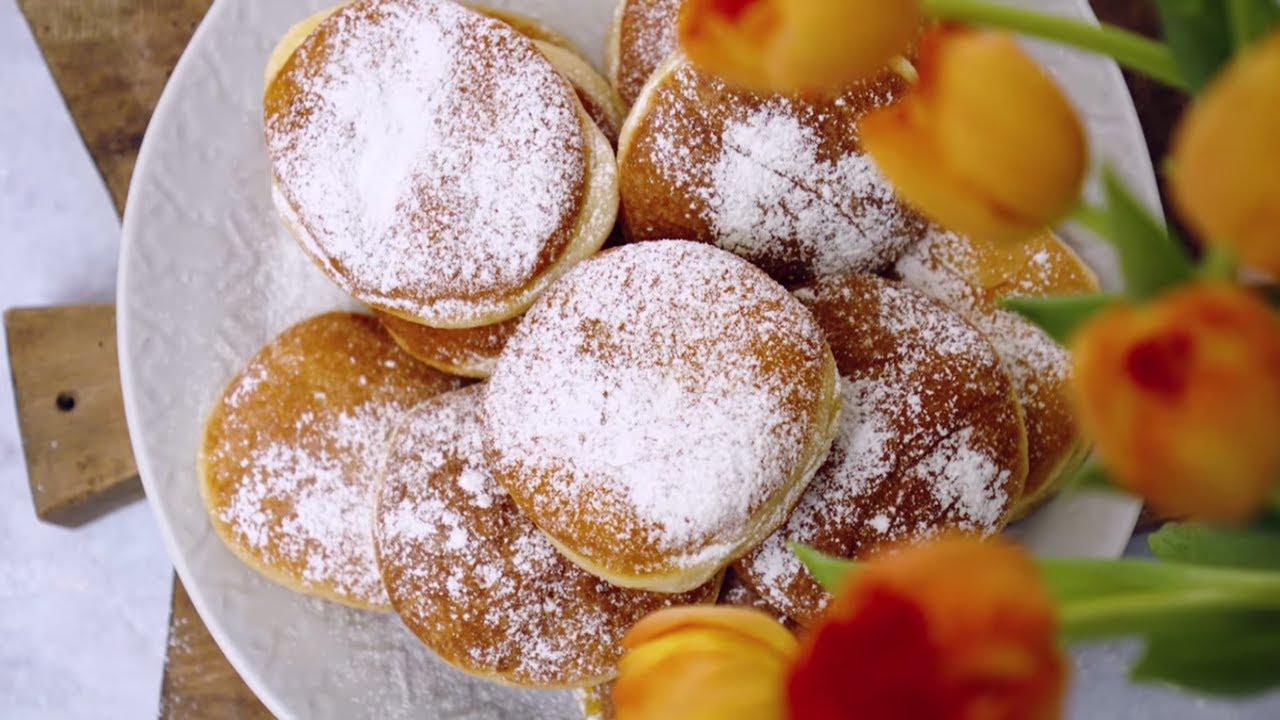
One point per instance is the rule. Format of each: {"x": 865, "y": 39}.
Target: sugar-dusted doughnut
{"x": 434, "y": 162}
{"x": 475, "y": 579}
{"x": 659, "y": 411}
{"x": 931, "y": 437}
{"x": 779, "y": 180}
{"x": 642, "y": 36}
{"x": 291, "y": 453}
{"x": 468, "y": 352}
{"x": 972, "y": 277}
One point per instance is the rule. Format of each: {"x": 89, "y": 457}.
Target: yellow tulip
{"x": 1182, "y": 397}
{"x": 797, "y": 45}
{"x": 703, "y": 663}
{"x": 985, "y": 144}
{"x": 1226, "y": 156}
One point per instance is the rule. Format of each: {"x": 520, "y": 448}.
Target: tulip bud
{"x": 1182, "y": 397}
{"x": 1226, "y": 153}
{"x": 985, "y": 144}
{"x": 703, "y": 663}
{"x": 956, "y": 627}
{"x": 797, "y": 45}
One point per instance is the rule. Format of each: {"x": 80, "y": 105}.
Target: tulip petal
{"x": 748, "y": 623}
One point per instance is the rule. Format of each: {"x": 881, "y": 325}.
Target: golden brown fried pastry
{"x": 931, "y": 437}
{"x": 643, "y": 35}
{"x": 469, "y": 352}
{"x": 475, "y": 579}
{"x": 735, "y": 591}
{"x": 659, "y": 411}
{"x": 433, "y": 161}
{"x": 779, "y": 180}
{"x": 291, "y": 453}
{"x": 972, "y": 277}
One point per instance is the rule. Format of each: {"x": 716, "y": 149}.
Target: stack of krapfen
{"x": 779, "y": 351}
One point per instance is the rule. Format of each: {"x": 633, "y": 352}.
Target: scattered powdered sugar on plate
{"x": 432, "y": 158}
{"x": 294, "y": 449}
{"x": 654, "y": 401}
{"x": 929, "y": 437}
{"x": 779, "y": 180}
{"x": 475, "y": 579}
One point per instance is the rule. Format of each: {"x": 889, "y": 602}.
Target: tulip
{"x": 956, "y": 627}
{"x": 797, "y": 45}
{"x": 1226, "y": 153}
{"x": 985, "y": 144}
{"x": 703, "y": 663}
{"x": 1182, "y": 397}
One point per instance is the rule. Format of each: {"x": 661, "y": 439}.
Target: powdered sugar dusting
{"x": 972, "y": 279}
{"x": 475, "y": 579}
{"x": 778, "y": 180}
{"x": 648, "y": 36}
{"x": 665, "y": 390}
{"x": 432, "y": 155}
{"x": 769, "y": 183}
{"x": 943, "y": 265}
{"x": 928, "y": 439}
{"x": 328, "y": 531}
{"x": 295, "y": 450}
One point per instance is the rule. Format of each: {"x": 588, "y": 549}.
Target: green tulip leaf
{"x": 1150, "y": 258}
{"x": 1249, "y": 20}
{"x": 1198, "y": 33}
{"x": 830, "y": 571}
{"x": 1205, "y": 34}
{"x": 1060, "y": 315}
{"x": 1180, "y": 612}
{"x": 1092, "y": 475}
{"x": 1199, "y": 544}
{"x": 1231, "y": 654}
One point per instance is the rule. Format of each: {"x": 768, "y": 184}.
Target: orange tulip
{"x": 797, "y": 45}
{"x": 986, "y": 144}
{"x": 703, "y": 663}
{"x": 1225, "y": 158}
{"x": 1182, "y": 397}
{"x": 957, "y": 628}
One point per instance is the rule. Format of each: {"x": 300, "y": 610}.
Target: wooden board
{"x": 70, "y": 413}
{"x": 198, "y": 681}
{"x": 111, "y": 59}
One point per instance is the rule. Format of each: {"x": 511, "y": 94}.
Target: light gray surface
{"x": 83, "y": 613}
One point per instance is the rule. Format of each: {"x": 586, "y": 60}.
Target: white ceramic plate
{"x": 208, "y": 274}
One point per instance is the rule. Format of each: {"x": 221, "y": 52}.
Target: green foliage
{"x": 1231, "y": 653}
{"x": 1092, "y": 475}
{"x": 1205, "y": 34}
{"x": 1255, "y": 547}
{"x": 830, "y": 572}
{"x": 1059, "y": 315}
{"x": 1151, "y": 259}
{"x": 1211, "y": 630}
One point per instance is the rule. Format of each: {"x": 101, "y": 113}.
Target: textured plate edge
{"x": 129, "y": 224}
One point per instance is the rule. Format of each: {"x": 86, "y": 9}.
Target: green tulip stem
{"x": 1131, "y": 50}
{"x": 1165, "y": 591}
